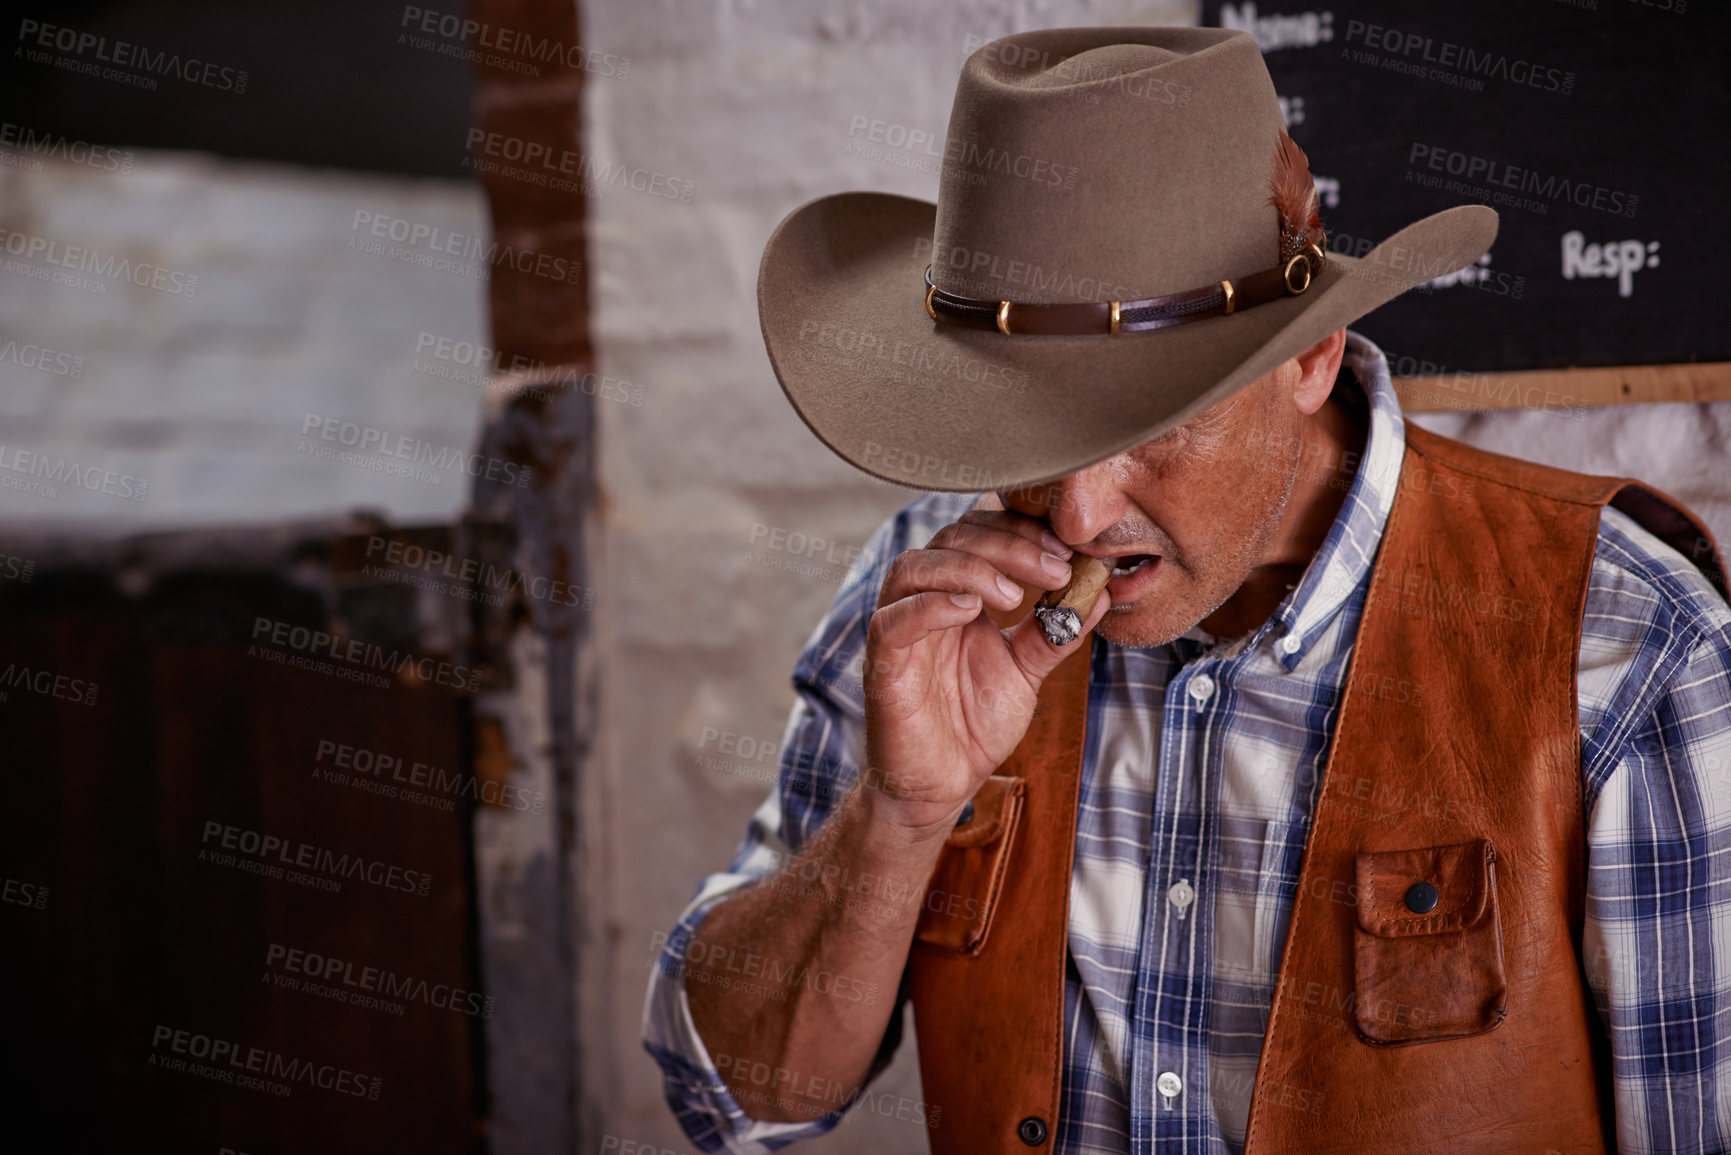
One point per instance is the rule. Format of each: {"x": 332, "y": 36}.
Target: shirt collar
{"x": 1349, "y": 550}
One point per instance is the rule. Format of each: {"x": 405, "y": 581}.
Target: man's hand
{"x": 948, "y": 695}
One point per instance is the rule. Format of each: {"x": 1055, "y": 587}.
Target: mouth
{"x": 1130, "y": 563}
{"x": 1132, "y": 574}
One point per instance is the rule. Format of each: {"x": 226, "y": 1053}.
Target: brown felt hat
{"x": 1083, "y": 167}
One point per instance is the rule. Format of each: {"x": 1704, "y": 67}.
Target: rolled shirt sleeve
{"x": 707, "y": 1111}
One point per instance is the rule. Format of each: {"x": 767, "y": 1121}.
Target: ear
{"x": 1317, "y": 367}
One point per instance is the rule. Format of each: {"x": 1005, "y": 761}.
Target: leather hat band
{"x": 1014, "y": 318}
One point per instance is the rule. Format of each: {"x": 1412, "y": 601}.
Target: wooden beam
{"x": 536, "y": 915}
{"x": 1566, "y": 388}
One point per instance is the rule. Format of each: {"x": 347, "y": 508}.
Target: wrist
{"x": 889, "y": 829}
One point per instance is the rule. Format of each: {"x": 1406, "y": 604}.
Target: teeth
{"x": 1119, "y": 570}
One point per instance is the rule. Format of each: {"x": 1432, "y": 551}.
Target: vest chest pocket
{"x": 956, "y": 910}
{"x": 1428, "y": 945}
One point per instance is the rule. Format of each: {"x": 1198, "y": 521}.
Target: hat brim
{"x": 939, "y": 406}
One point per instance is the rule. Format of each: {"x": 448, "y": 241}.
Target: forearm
{"x": 799, "y": 972}
{"x": 947, "y": 697}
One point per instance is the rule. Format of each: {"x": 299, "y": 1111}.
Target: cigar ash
{"x": 1062, "y": 611}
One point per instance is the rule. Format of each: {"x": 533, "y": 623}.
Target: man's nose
{"x": 1084, "y": 504}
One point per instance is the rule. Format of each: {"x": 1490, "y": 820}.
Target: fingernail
{"x": 1056, "y": 544}
{"x": 1054, "y": 566}
{"x": 1010, "y": 588}
{"x": 966, "y": 601}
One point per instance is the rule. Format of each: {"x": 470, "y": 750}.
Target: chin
{"x": 1143, "y": 627}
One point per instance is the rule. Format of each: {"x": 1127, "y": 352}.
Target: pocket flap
{"x": 956, "y": 910}
{"x": 1460, "y": 874}
{"x": 993, "y": 805}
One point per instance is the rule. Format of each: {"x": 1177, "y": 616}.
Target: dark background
{"x": 106, "y": 808}
{"x": 1648, "y": 115}
{"x": 329, "y": 83}
{"x": 106, "y": 805}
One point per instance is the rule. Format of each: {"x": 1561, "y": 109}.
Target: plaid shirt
{"x": 1196, "y": 798}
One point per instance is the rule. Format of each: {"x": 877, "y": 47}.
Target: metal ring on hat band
{"x": 1222, "y": 299}
{"x": 1300, "y": 260}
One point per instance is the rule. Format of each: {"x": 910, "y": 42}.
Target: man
{"x": 1384, "y": 803}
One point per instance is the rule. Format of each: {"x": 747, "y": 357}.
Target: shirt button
{"x": 1291, "y": 644}
{"x": 1169, "y": 1084}
{"x": 1182, "y": 894}
{"x": 1202, "y": 687}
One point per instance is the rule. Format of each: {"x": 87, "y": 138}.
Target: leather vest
{"x": 1429, "y": 997}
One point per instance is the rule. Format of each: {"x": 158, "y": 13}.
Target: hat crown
{"x": 1099, "y": 164}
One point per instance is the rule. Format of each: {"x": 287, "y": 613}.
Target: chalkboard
{"x": 1600, "y": 130}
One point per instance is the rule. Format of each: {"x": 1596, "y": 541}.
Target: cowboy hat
{"x": 1105, "y": 261}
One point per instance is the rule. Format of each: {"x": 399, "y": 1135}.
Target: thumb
{"x": 1038, "y": 657}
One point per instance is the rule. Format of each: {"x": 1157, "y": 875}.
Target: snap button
{"x": 1182, "y": 894}
{"x": 966, "y": 816}
{"x": 1421, "y": 898}
{"x": 1291, "y": 644}
{"x": 1202, "y": 687}
{"x": 1169, "y": 1084}
{"x": 1031, "y": 1130}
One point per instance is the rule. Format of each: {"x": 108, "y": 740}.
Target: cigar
{"x": 1061, "y": 612}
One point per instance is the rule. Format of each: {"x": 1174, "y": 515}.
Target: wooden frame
{"x": 1566, "y": 388}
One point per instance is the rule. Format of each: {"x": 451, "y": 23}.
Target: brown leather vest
{"x": 1455, "y": 1022}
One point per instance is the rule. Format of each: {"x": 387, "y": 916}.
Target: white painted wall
{"x": 202, "y": 388}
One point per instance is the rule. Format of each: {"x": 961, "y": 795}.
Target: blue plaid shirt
{"x": 1196, "y": 800}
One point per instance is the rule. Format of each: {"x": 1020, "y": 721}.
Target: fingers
{"x": 984, "y": 559}
{"x": 1020, "y": 524}
{"x": 1036, "y": 656}
{"x": 949, "y": 571}
{"x": 982, "y": 554}
{"x": 912, "y": 619}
